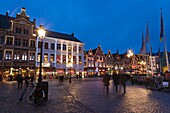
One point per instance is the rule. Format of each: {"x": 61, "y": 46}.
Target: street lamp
{"x": 69, "y": 65}
{"x": 129, "y": 55}
{"x": 41, "y": 34}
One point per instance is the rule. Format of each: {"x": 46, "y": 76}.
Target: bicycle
{"x": 38, "y": 95}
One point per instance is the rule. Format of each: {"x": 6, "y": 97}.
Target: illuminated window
{"x": 16, "y": 56}
{"x": 75, "y": 49}
{"x": 58, "y": 59}
{"x": 46, "y": 57}
{"x": 24, "y": 56}
{"x": 74, "y": 59}
{"x": 80, "y": 59}
{"x": 32, "y": 56}
{"x": 38, "y": 58}
{"x": 69, "y": 48}
{"x": 52, "y": 58}
{"x": 8, "y": 55}
{"x": 64, "y": 59}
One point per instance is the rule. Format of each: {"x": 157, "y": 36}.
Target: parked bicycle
{"x": 37, "y": 95}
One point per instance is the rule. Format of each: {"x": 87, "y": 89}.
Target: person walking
{"x": 123, "y": 80}
{"x": 26, "y": 80}
{"x": 19, "y": 81}
{"x": 115, "y": 80}
{"x": 106, "y": 79}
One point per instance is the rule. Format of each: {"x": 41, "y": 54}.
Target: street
{"x": 85, "y": 96}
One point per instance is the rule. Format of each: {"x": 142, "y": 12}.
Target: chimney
{"x": 34, "y": 21}
{"x": 6, "y": 15}
{"x": 72, "y": 34}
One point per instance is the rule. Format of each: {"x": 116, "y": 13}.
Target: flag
{"x": 162, "y": 28}
{"x": 147, "y": 38}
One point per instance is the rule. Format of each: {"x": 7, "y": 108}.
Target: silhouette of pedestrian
{"x": 123, "y": 79}
{"x": 116, "y": 80}
{"x": 106, "y": 79}
{"x": 19, "y": 81}
{"x": 26, "y": 80}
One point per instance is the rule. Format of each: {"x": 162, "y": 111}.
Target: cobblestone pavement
{"x": 85, "y": 96}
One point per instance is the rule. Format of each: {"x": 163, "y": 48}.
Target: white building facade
{"x": 62, "y": 54}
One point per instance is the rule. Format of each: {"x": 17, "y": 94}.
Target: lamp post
{"x": 69, "y": 65}
{"x": 41, "y": 34}
{"x": 129, "y": 55}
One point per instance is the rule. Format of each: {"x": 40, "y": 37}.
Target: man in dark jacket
{"x": 116, "y": 80}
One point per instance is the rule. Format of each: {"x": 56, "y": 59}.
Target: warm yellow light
{"x": 130, "y": 53}
{"x": 41, "y": 31}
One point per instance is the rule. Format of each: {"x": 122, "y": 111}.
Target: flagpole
{"x": 166, "y": 54}
{"x": 162, "y": 35}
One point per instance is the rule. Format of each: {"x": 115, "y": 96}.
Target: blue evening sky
{"x": 115, "y": 24}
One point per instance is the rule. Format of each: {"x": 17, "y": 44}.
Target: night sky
{"x": 114, "y": 24}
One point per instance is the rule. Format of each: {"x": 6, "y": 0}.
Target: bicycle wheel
{"x": 37, "y": 100}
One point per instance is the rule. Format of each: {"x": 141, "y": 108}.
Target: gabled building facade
{"x": 17, "y": 44}
{"x": 109, "y": 63}
{"x": 96, "y": 65}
